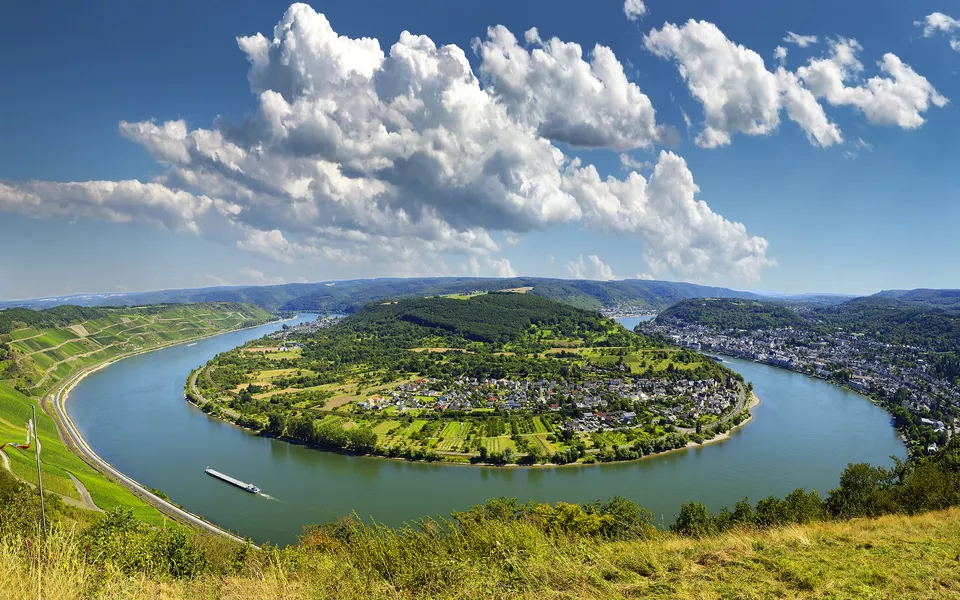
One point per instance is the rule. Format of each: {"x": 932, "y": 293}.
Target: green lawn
{"x": 454, "y": 429}
{"x": 498, "y": 444}
{"x": 282, "y": 355}
{"x": 414, "y": 427}
{"x": 385, "y": 428}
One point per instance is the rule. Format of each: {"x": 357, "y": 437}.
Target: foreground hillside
{"x": 59, "y": 465}
{"x": 893, "y": 556}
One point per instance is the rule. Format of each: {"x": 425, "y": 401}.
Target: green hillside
{"x": 884, "y": 318}
{"x": 494, "y": 318}
{"x": 58, "y": 462}
{"x": 899, "y": 322}
{"x": 592, "y": 295}
{"x": 924, "y": 297}
{"x": 39, "y": 349}
{"x": 722, "y": 313}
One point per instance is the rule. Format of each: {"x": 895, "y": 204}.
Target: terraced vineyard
{"x": 37, "y": 358}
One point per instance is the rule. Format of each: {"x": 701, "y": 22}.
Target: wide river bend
{"x": 133, "y": 414}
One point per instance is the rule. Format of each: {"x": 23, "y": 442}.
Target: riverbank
{"x": 722, "y": 437}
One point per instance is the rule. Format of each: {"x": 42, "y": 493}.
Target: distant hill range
{"x": 923, "y": 297}
{"x": 348, "y": 296}
{"x": 928, "y": 318}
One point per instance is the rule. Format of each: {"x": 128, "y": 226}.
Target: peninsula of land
{"x": 489, "y": 378}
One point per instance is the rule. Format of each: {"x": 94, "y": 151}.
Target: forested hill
{"x": 884, "y": 318}
{"x": 59, "y": 316}
{"x": 923, "y": 297}
{"x": 897, "y": 322}
{"x": 493, "y": 318}
{"x": 348, "y": 296}
{"x": 721, "y": 313}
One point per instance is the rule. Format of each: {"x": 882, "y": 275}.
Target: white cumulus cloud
{"x": 491, "y": 267}
{"x": 501, "y": 267}
{"x": 628, "y": 163}
{"x": 553, "y": 89}
{"x": 682, "y": 235}
{"x": 402, "y": 158}
{"x": 940, "y": 23}
{"x": 800, "y": 40}
{"x": 117, "y": 201}
{"x": 593, "y": 268}
{"x": 738, "y": 93}
{"x": 900, "y": 98}
{"x": 255, "y": 277}
{"x": 634, "y": 9}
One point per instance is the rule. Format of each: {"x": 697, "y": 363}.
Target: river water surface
{"x": 134, "y": 416}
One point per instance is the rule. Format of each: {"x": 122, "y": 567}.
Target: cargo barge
{"x": 249, "y": 487}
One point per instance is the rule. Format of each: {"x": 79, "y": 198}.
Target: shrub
{"x": 863, "y": 492}
{"x": 694, "y": 520}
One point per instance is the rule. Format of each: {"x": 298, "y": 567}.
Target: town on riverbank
{"x": 908, "y": 379}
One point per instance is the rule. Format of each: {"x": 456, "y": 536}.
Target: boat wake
{"x": 269, "y": 497}
{"x": 193, "y": 344}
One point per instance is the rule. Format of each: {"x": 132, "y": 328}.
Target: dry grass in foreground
{"x": 893, "y": 556}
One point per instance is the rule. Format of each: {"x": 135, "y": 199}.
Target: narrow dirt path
{"x": 25, "y": 338}
{"x": 84, "y": 494}
{"x": 208, "y": 374}
{"x": 201, "y": 399}
{"x": 86, "y": 503}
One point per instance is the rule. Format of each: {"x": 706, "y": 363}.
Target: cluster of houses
{"x": 866, "y": 365}
{"x": 627, "y": 310}
{"x": 590, "y": 400}
{"x": 307, "y": 328}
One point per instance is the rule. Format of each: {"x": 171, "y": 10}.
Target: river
{"x": 133, "y": 414}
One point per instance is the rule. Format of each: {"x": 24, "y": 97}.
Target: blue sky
{"x": 876, "y": 210}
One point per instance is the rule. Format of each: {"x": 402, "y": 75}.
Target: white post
{"x": 36, "y": 437}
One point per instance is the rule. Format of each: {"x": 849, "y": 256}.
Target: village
{"x": 591, "y": 405}
{"x": 885, "y": 371}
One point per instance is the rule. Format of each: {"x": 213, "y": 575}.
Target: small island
{"x": 488, "y": 378}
